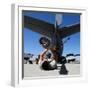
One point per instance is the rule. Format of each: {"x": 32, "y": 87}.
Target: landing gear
{"x": 63, "y": 60}
{"x": 63, "y": 70}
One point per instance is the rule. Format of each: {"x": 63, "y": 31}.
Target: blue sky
{"x": 31, "y": 39}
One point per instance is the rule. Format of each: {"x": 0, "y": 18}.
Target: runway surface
{"x": 33, "y": 70}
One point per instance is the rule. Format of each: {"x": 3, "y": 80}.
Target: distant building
{"x": 75, "y": 58}
{"x": 28, "y": 58}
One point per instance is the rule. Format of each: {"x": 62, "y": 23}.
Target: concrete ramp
{"x": 33, "y": 70}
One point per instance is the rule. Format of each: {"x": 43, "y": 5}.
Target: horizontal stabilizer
{"x": 69, "y": 30}
{"x": 39, "y": 26}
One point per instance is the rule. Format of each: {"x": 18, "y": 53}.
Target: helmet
{"x": 52, "y": 64}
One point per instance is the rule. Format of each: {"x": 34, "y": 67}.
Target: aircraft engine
{"x": 55, "y": 42}
{"x": 45, "y": 42}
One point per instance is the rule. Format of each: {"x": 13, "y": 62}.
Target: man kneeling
{"x": 47, "y": 61}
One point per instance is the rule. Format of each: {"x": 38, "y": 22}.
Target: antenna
{"x": 66, "y": 40}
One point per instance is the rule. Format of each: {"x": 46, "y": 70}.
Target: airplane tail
{"x": 58, "y": 21}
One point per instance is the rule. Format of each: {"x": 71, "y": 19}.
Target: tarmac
{"x": 33, "y": 70}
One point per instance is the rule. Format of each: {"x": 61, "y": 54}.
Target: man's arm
{"x": 42, "y": 55}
